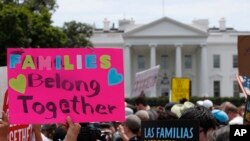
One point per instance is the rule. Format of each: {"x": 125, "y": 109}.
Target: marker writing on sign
{"x": 92, "y": 88}
{"x": 169, "y": 133}
{"x": 59, "y": 62}
{"x": 77, "y": 105}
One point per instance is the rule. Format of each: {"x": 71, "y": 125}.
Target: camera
{"x": 95, "y": 131}
{"x": 88, "y": 132}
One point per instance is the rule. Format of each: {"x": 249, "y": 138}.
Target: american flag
{"x": 244, "y": 83}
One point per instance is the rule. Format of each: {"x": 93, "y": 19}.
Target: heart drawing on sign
{"x": 18, "y": 84}
{"x": 114, "y": 77}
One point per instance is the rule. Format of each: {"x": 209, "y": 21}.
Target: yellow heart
{"x": 18, "y": 84}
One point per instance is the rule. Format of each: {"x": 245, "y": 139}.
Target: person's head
{"x": 231, "y": 110}
{"x": 208, "y": 104}
{"x": 179, "y": 108}
{"x": 182, "y": 100}
{"x": 204, "y": 116}
{"x": 132, "y": 124}
{"x": 220, "y": 116}
{"x": 141, "y": 103}
{"x": 143, "y": 115}
{"x": 169, "y": 105}
{"x": 164, "y": 115}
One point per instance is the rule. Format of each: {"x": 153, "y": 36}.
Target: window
{"x": 235, "y": 61}
{"x": 141, "y": 62}
{"x": 236, "y": 89}
{"x": 216, "y": 88}
{"x": 164, "y": 61}
{"x": 216, "y": 61}
{"x": 188, "y": 61}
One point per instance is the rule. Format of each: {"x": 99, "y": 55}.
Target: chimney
{"x": 222, "y": 23}
{"x": 106, "y": 25}
{"x": 201, "y": 23}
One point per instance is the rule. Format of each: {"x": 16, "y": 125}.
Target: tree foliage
{"x": 78, "y": 34}
{"x": 28, "y": 23}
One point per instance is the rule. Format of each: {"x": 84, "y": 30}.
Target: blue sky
{"x": 236, "y": 12}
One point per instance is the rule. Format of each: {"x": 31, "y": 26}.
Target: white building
{"x": 208, "y": 56}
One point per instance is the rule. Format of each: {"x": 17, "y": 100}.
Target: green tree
{"x": 27, "y": 23}
{"x": 33, "y": 5}
{"x": 20, "y": 27}
{"x": 78, "y": 34}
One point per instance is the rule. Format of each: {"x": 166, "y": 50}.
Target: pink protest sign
{"x": 46, "y": 85}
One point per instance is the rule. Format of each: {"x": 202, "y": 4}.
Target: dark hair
{"x": 182, "y": 100}
{"x": 202, "y": 114}
{"x": 167, "y": 115}
{"x": 141, "y": 100}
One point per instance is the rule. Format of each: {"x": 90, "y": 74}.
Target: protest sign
{"x": 180, "y": 89}
{"x": 145, "y": 81}
{"x": 17, "y": 132}
{"x": 176, "y": 130}
{"x": 247, "y": 111}
{"x": 50, "y": 84}
{"x": 244, "y": 55}
{"x": 244, "y": 83}
{"x": 3, "y": 85}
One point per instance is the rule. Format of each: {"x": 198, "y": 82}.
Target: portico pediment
{"x": 165, "y": 27}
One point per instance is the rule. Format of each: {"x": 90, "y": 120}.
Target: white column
{"x": 152, "y": 64}
{"x": 178, "y": 71}
{"x": 203, "y": 71}
{"x": 127, "y": 66}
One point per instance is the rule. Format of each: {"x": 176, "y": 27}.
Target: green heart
{"x": 18, "y": 84}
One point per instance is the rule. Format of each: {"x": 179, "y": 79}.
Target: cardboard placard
{"x": 145, "y": 81}
{"x": 244, "y": 55}
{"x": 49, "y": 84}
{"x": 180, "y": 89}
{"x": 17, "y": 132}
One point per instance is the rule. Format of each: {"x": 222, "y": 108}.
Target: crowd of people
{"x": 214, "y": 122}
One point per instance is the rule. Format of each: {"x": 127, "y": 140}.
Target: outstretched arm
{"x": 73, "y": 130}
{"x": 37, "y": 132}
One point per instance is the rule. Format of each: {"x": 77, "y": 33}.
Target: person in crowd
{"x": 107, "y": 131}
{"x": 205, "y": 117}
{"x": 4, "y": 125}
{"x": 141, "y": 104}
{"x": 143, "y": 115}
{"x": 241, "y": 110}
{"x": 206, "y": 103}
{"x": 182, "y": 100}
{"x": 232, "y": 112}
{"x": 166, "y": 115}
{"x": 129, "y": 131}
{"x": 168, "y": 106}
{"x": 220, "y": 134}
{"x": 179, "y": 108}
{"x": 72, "y": 132}
{"x": 221, "y": 117}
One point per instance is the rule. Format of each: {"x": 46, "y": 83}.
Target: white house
{"x": 208, "y": 56}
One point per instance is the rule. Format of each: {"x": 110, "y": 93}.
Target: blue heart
{"x": 114, "y": 78}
